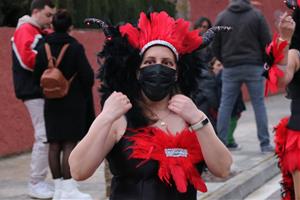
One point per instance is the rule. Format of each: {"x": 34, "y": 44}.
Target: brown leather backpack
{"x": 53, "y": 82}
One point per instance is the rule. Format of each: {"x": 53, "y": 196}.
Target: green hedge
{"x": 11, "y": 10}
{"x": 113, "y": 11}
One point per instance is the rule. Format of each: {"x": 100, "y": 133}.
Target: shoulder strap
{"x": 71, "y": 79}
{"x": 49, "y": 56}
{"x": 61, "y": 54}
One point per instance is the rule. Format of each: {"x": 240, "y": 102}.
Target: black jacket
{"x": 207, "y": 96}
{"x": 246, "y": 43}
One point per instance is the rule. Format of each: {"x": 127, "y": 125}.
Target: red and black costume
{"x": 287, "y": 140}
{"x": 143, "y": 170}
{"x": 287, "y": 136}
{"x": 148, "y": 163}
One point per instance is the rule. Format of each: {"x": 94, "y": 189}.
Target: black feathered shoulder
{"x": 118, "y": 67}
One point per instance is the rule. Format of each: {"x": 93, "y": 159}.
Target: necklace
{"x": 162, "y": 119}
{"x": 163, "y": 124}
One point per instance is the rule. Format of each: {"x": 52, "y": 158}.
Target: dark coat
{"x": 250, "y": 34}
{"x": 207, "y": 96}
{"x": 205, "y": 55}
{"x": 68, "y": 118}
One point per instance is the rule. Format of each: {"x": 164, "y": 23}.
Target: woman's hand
{"x": 185, "y": 107}
{"x": 286, "y": 27}
{"x": 116, "y": 105}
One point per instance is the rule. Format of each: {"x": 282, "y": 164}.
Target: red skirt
{"x": 287, "y": 148}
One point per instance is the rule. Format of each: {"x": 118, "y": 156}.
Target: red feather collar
{"x": 177, "y": 155}
{"x": 280, "y": 144}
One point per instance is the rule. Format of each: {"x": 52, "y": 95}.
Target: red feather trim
{"x": 298, "y": 1}
{"x": 280, "y": 140}
{"x": 161, "y": 26}
{"x": 275, "y": 53}
{"x": 280, "y": 137}
{"x": 152, "y": 143}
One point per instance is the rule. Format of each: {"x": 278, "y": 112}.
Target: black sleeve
{"x": 216, "y": 44}
{"x": 264, "y": 33}
{"x": 85, "y": 71}
{"x": 86, "y": 76}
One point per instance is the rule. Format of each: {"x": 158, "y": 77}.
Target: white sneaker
{"x": 57, "y": 189}
{"x": 41, "y": 190}
{"x": 69, "y": 191}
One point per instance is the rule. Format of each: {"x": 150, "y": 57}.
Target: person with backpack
{"x": 68, "y": 111}
{"x": 27, "y": 37}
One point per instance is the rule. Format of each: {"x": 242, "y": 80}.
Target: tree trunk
{"x": 183, "y": 9}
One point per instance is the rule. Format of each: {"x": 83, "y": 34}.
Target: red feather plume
{"x": 275, "y": 54}
{"x": 280, "y": 142}
{"x": 160, "y": 26}
{"x": 151, "y": 143}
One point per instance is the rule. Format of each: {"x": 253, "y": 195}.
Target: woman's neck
{"x": 158, "y": 105}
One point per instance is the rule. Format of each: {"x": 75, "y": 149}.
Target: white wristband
{"x": 199, "y": 124}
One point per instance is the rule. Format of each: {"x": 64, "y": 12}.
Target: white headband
{"x": 159, "y": 42}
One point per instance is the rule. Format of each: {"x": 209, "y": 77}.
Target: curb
{"x": 243, "y": 184}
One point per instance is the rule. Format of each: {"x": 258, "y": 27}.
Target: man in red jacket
{"x": 28, "y": 35}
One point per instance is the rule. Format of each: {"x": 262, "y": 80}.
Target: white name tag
{"x": 176, "y": 152}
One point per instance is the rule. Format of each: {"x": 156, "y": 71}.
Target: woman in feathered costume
{"x": 283, "y": 66}
{"x": 152, "y": 134}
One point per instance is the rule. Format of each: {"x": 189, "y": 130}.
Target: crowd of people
{"x": 170, "y": 97}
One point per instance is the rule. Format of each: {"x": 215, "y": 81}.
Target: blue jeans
{"x": 232, "y": 79}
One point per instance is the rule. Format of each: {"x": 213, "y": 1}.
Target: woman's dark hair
{"x": 199, "y": 22}
{"x": 62, "y": 21}
{"x": 295, "y": 43}
{"x": 40, "y": 4}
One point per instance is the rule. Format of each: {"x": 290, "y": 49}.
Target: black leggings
{"x": 60, "y": 166}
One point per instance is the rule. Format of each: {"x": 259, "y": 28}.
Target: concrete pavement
{"x": 269, "y": 191}
{"x": 251, "y": 168}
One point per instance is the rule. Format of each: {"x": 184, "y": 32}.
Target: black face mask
{"x": 157, "y": 81}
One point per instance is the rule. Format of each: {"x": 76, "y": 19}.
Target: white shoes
{"x": 41, "y": 190}
{"x": 63, "y": 190}
{"x": 70, "y": 191}
{"x": 57, "y": 189}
